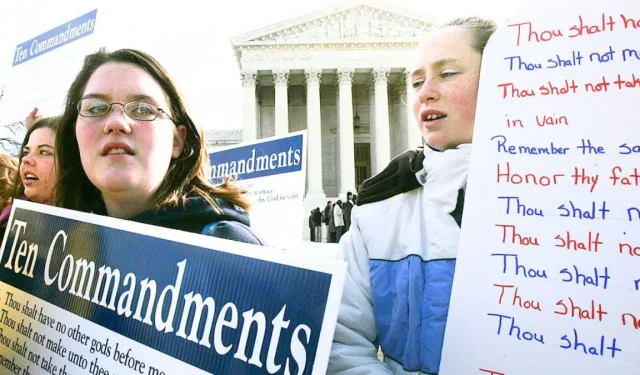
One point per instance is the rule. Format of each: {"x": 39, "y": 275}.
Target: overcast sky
{"x": 192, "y": 40}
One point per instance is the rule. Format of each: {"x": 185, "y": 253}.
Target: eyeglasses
{"x": 141, "y": 111}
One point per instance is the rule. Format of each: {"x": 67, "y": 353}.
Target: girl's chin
{"x": 436, "y": 141}
{"x": 116, "y": 184}
{"x": 35, "y": 197}
{"x": 439, "y": 142}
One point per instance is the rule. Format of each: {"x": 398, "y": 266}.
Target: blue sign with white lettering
{"x": 219, "y": 311}
{"x": 56, "y": 37}
{"x": 258, "y": 160}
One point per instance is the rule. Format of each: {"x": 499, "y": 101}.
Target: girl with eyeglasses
{"x": 127, "y": 148}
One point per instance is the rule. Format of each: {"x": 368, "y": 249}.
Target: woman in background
{"x": 37, "y": 175}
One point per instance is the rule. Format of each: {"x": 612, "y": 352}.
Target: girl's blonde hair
{"x": 481, "y": 30}
{"x": 8, "y": 177}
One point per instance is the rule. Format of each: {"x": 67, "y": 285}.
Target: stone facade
{"x": 321, "y": 72}
{"x": 297, "y": 120}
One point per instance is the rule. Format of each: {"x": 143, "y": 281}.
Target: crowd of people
{"x": 126, "y": 147}
{"x": 333, "y": 222}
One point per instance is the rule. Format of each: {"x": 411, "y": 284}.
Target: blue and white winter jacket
{"x": 401, "y": 250}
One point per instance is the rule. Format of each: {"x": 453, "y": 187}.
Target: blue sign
{"x": 258, "y": 160}
{"x": 55, "y": 38}
{"x": 219, "y": 311}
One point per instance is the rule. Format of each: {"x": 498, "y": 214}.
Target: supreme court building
{"x": 341, "y": 73}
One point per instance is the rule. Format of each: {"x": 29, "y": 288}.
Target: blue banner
{"x": 55, "y": 38}
{"x": 219, "y": 311}
{"x": 258, "y": 160}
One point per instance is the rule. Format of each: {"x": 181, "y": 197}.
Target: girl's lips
{"x": 432, "y": 117}
{"x": 428, "y": 114}
{"x": 435, "y": 122}
{"x": 118, "y": 156}
{"x": 28, "y": 178}
{"x": 123, "y": 147}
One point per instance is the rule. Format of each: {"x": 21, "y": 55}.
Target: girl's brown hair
{"x": 187, "y": 175}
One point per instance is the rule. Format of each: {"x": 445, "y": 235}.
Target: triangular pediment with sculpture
{"x": 355, "y": 23}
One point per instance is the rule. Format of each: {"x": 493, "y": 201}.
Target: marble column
{"x": 383, "y": 142}
{"x": 372, "y": 125}
{"x": 412, "y": 131}
{"x": 281, "y": 81}
{"x": 345, "y": 128}
{"x": 249, "y": 120}
{"x": 314, "y": 134}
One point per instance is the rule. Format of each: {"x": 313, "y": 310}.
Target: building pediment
{"x": 352, "y": 22}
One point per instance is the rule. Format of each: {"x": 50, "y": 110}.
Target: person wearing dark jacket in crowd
{"x": 317, "y": 224}
{"x": 127, "y": 148}
{"x": 326, "y": 216}
{"x": 332, "y": 225}
{"x": 312, "y": 228}
{"x": 348, "y": 205}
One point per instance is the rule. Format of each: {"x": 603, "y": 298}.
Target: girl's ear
{"x": 179, "y": 137}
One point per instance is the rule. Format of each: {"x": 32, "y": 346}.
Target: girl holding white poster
{"x": 402, "y": 243}
{"x": 129, "y": 149}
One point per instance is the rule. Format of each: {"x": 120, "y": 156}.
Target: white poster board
{"x": 548, "y": 272}
{"x": 273, "y": 171}
{"x": 183, "y": 36}
{"x": 46, "y": 58}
